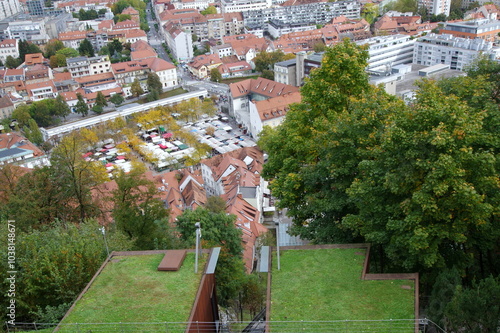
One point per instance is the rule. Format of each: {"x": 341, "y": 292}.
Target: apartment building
{"x": 486, "y": 29}
{"x": 305, "y": 14}
{"x": 231, "y": 6}
{"x": 191, "y": 4}
{"x": 436, "y": 7}
{"x": 388, "y": 51}
{"x": 449, "y": 50}
{"x": 9, "y": 8}
{"x": 41, "y": 90}
{"x": 29, "y": 30}
{"x": 8, "y": 47}
{"x": 82, "y": 66}
{"x": 179, "y": 42}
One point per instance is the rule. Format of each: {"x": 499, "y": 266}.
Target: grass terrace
{"x": 326, "y": 285}
{"x": 131, "y": 290}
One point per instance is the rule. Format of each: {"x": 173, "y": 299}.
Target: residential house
{"x": 8, "y": 47}
{"x": 126, "y": 25}
{"x": 234, "y": 69}
{"x": 201, "y": 65}
{"x": 6, "y": 107}
{"x": 41, "y": 90}
{"x": 64, "y": 82}
{"x": 33, "y": 59}
{"x": 270, "y": 112}
{"x": 72, "y": 39}
{"x": 243, "y": 92}
{"x": 246, "y": 46}
{"x": 134, "y": 14}
{"x": 38, "y": 73}
{"x": 14, "y": 74}
{"x": 97, "y": 82}
{"x": 134, "y": 35}
{"x": 395, "y": 22}
{"x": 17, "y": 150}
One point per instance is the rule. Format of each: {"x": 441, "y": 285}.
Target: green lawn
{"x": 130, "y": 289}
{"x": 166, "y": 94}
{"x": 325, "y": 284}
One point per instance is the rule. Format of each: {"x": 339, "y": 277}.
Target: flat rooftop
{"x": 327, "y": 285}
{"x": 130, "y": 289}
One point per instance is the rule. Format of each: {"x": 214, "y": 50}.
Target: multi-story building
{"x": 483, "y": 28}
{"x": 270, "y": 112}
{"x": 243, "y": 92}
{"x": 436, "y": 7}
{"x": 233, "y": 24}
{"x": 36, "y": 7}
{"x": 126, "y": 73}
{"x": 191, "y": 4}
{"x": 179, "y": 42}
{"x": 38, "y": 73}
{"x": 453, "y": 51}
{"x": 13, "y": 75}
{"x": 231, "y": 6}
{"x": 388, "y": 51}
{"x": 8, "y": 47}
{"x": 306, "y": 14}
{"x": 82, "y": 66}
{"x": 9, "y": 8}
{"x": 41, "y": 90}
{"x": 29, "y": 30}
{"x": 17, "y": 150}
{"x": 57, "y": 23}
{"x": 202, "y": 65}
{"x": 285, "y": 72}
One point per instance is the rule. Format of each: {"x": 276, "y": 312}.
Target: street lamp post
{"x": 103, "y": 230}
{"x": 198, "y": 247}
{"x": 278, "y": 243}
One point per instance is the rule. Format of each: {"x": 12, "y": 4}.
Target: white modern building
{"x": 231, "y": 6}
{"x": 456, "y": 52}
{"x": 179, "y": 42}
{"x": 388, "y": 51}
{"x": 83, "y": 66}
{"x": 436, "y": 7}
{"x": 9, "y": 8}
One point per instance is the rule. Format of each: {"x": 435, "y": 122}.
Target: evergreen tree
{"x": 116, "y": 99}
{"x": 81, "y": 106}
{"x": 61, "y": 108}
{"x": 101, "y": 100}
{"x": 11, "y": 62}
{"x": 154, "y": 83}
{"x": 86, "y": 48}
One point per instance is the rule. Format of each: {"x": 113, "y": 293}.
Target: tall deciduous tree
{"x": 52, "y": 47}
{"x": 137, "y": 211}
{"x": 77, "y": 177}
{"x": 215, "y": 75}
{"x": 154, "y": 83}
{"x": 33, "y": 133}
{"x": 136, "y": 89}
{"x": 116, "y": 99}
{"x": 61, "y": 108}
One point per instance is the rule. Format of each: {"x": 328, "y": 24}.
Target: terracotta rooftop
{"x": 277, "y": 106}
{"x": 260, "y": 86}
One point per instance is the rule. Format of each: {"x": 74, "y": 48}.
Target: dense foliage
{"x": 420, "y": 181}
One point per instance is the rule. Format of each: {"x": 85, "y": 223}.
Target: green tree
{"x": 77, "y": 177}
{"x": 97, "y": 109}
{"x": 57, "y": 60}
{"x": 54, "y": 264}
{"x": 476, "y": 309}
{"x": 218, "y": 229}
{"x": 215, "y": 204}
{"x": 154, "y": 83}
{"x": 432, "y": 190}
{"x": 138, "y": 213}
{"x": 86, "y": 48}
{"x": 489, "y": 70}
{"x": 209, "y": 10}
{"x": 52, "y": 47}
{"x": 136, "y": 89}
{"x": 369, "y": 12}
{"x": 61, "y": 108}
{"x": 101, "y": 100}
{"x": 68, "y": 52}
{"x": 115, "y": 47}
{"x": 312, "y": 155}
{"x": 215, "y": 75}
{"x": 81, "y": 105}
{"x": 11, "y": 62}
{"x": 33, "y": 133}
{"x": 22, "y": 115}
{"x": 26, "y": 47}
{"x": 121, "y": 18}
{"x": 43, "y": 112}
{"x": 116, "y": 99}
